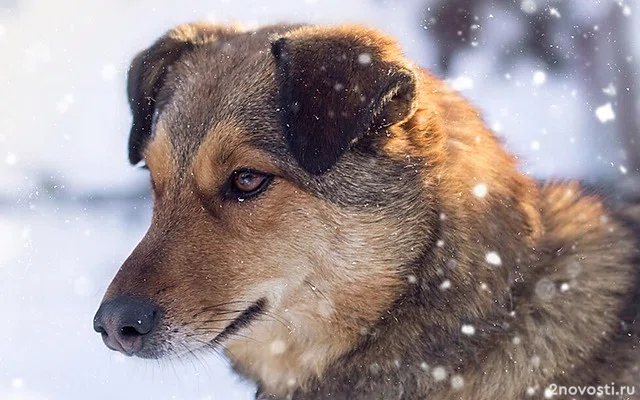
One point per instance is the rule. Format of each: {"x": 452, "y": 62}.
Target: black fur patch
{"x": 333, "y": 91}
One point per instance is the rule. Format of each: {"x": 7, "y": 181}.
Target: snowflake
{"x": 623, "y": 169}
{"x": 457, "y": 382}
{"x": 440, "y": 243}
{"x": 480, "y": 190}
{"x": 610, "y": 90}
{"x": 545, "y": 289}
{"x": 528, "y": 6}
{"x": 535, "y": 145}
{"x": 605, "y": 113}
{"x": 564, "y": 287}
{"x": 412, "y": 279}
{"x": 554, "y": 12}
{"x": 548, "y": 393}
{"x": 626, "y": 10}
{"x": 516, "y": 340}
{"x": 539, "y": 77}
{"x": 461, "y": 83}
{"x": 17, "y": 383}
{"x": 439, "y": 373}
{"x": 66, "y": 102}
{"x": 446, "y": 284}
{"x": 493, "y": 258}
{"x": 468, "y": 330}
{"x": 277, "y": 347}
{"x": 364, "y": 58}
{"x": 531, "y": 391}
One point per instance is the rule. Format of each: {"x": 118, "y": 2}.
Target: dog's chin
{"x": 171, "y": 347}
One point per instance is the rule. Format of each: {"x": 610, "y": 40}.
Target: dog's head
{"x": 290, "y": 194}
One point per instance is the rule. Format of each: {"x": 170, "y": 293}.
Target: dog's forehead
{"x": 229, "y": 81}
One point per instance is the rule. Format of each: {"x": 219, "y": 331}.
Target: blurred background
{"x": 556, "y": 80}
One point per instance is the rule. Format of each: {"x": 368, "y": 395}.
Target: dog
{"x": 342, "y": 225}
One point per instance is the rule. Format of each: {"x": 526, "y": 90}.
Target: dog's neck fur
{"x": 460, "y": 304}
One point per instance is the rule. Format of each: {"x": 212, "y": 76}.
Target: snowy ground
{"x": 63, "y": 127}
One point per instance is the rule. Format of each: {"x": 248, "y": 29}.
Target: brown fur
{"x": 368, "y": 252}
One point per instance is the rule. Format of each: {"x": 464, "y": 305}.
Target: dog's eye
{"x": 247, "y": 183}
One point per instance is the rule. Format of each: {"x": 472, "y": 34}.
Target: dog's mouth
{"x": 242, "y": 321}
{"x": 159, "y": 347}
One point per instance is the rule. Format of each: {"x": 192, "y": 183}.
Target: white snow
{"x": 461, "y": 83}
{"x": 554, "y": 12}
{"x": 364, "y": 58}
{"x": 539, "y": 78}
{"x": 446, "y": 284}
{"x": 528, "y": 6}
{"x": 605, "y": 113}
{"x": 610, "y": 90}
{"x": 457, "y": 382}
{"x": 623, "y": 169}
{"x": 480, "y": 190}
{"x": 535, "y": 145}
{"x": 277, "y": 347}
{"x": 493, "y": 258}
{"x": 65, "y": 102}
{"x": 439, "y": 373}
{"x": 468, "y": 329}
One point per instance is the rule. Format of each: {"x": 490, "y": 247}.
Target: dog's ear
{"x": 336, "y": 85}
{"x": 147, "y": 76}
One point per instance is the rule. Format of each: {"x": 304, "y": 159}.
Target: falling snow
{"x": 610, "y": 90}
{"x": 493, "y": 258}
{"x": 605, "y": 113}
{"x": 446, "y": 284}
{"x": 457, "y": 382}
{"x": 554, "y": 12}
{"x": 461, "y": 83}
{"x": 535, "y": 145}
{"x": 364, "y": 58}
{"x": 480, "y": 190}
{"x": 539, "y": 78}
{"x": 277, "y": 347}
{"x": 468, "y": 330}
{"x": 439, "y": 373}
{"x": 63, "y": 105}
{"x": 528, "y": 6}
{"x": 545, "y": 289}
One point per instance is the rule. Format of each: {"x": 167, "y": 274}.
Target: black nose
{"x": 123, "y": 323}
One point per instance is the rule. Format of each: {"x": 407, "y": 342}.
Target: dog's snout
{"x": 124, "y": 323}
